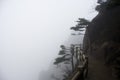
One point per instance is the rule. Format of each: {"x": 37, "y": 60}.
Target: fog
{"x": 31, "y": 32}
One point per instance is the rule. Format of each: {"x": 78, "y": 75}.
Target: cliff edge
{"x": 102, "y": 44}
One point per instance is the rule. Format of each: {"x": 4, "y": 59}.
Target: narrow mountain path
{"x": 98, "y": 70}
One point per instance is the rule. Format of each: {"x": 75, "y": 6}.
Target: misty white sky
{"x": 31, "y": 32}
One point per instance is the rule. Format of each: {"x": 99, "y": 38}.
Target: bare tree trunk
{"x": 72, "y": 63}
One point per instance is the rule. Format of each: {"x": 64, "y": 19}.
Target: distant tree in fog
{"x": 67, "y": 72}
{"x": 65, "y": 56}
{"x": 62, "y": 58}
{"x": 54, "y": 77}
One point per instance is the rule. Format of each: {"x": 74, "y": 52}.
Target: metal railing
{"x": 81, "y": 71}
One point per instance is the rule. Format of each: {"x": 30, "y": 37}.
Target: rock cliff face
{"x": 102, "y": 44}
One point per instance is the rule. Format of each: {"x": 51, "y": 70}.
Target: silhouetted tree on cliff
{"x": 66, "y": 56}
{"x": 82, "y": 24}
